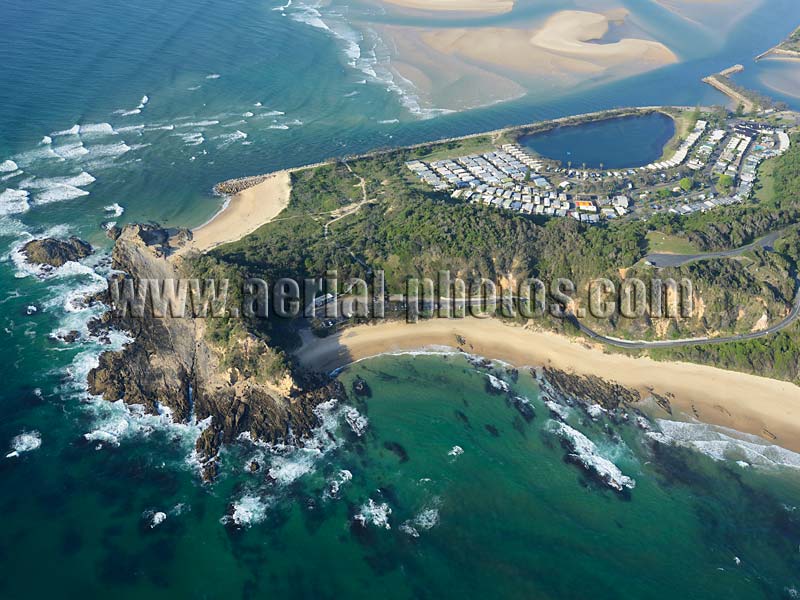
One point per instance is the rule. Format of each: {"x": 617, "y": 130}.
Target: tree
{"x": 686, "y": 184}
{"x": 725, "y": 182}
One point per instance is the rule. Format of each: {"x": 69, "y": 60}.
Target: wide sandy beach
{"x": 245, "y": 212}
{"x": 747, "y": 403}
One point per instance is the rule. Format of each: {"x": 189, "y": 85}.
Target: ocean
{"x": 125, "y": 112}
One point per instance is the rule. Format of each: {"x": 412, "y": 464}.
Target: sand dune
{"x": 747, "y": 403}
{"x": 470, "y": 6}
{"x": 566, "y": 50}
{"x": 567, "y": 42}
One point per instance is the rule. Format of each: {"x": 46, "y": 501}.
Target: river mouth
{"x": 616, "y": 143}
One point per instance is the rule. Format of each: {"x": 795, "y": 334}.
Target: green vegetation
{"x": 725, "y": 183}
{"x": 658, "y": 242}
{"x": 470, "y": 145}
{"x": 686, "y": 184}
{"x": 684, "y": 123}
{"x": 407, "y": 230}
{"x": 765, "y": 185}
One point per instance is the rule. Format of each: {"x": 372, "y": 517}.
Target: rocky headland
{"x": 172, "y": 365}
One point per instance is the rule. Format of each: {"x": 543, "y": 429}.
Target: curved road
{"x": 642, "y": 344}
{"x": 677, "y": 260}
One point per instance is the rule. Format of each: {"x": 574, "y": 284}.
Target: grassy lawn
{"x": 661, "y": 243}
{"x": 684, "y": 123}
{"x": 765, "y": 188}
{"x": 473, "y": 145}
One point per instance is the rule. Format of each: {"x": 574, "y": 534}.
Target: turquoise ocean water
{"x": 142, "y": 108}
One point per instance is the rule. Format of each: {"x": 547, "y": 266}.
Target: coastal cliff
{"x": 170, "y": 366}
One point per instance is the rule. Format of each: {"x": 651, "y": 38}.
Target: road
{"x": 677, "y": 260}
{"x": 646, "y": 345}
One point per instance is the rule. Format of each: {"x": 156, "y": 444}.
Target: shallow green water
{"x": 510, "y": 517}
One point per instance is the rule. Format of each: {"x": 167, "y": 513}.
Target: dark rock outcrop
{"x": 171, "y": 364}
{"x": 55, "y": 253}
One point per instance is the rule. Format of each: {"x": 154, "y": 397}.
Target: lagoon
{"x": 610, "y": 143}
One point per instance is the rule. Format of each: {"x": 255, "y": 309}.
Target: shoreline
{"x": 765, "y": 407}
{"x": 249, "y": 208}
{"x": 254, "y": 201}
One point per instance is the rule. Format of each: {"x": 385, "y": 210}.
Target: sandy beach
{"x": 747, "y": 403}
{"x": 468, "y": 6}
{"x": 246, "y": 211}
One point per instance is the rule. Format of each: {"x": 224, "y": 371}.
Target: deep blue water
{"x": 612, "y": 143}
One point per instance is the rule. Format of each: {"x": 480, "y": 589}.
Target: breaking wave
{"x": 723, "y": 444}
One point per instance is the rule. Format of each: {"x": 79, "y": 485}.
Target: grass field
{"x": 661, "y": 243}
{"x": 455, "y": 149}
{"x": 765, "y": 188}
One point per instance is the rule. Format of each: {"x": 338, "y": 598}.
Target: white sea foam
{"x": 282, "y": 127}
{"x": 595, "y": 411}
{"x": 358, "y": 422}
{"x": 497, "y": 383}
{"x": 115, "y": 209}
{"x": 129, "y": 113}
{"x": 13, "y": 202}
{"x": 200, "y": 124}
{"x": 143, "y": 102}
{"x": 70, "y": 150}
{"x": 96, "y": 130}
{"x": 12, "y": 175}
{"x": 455, "y": 451}
{"x": 558, "y": 410}
{"x": 336, "y": 483}
{"x": 191, "y": 139}
{"x": 74, "y": 130}
{"x": 230, "y": 138}
{"x": 154, "y": 518}
{"x": 46, "y": 140}
{"x": 108, "y": 150}
{"x": 27, "y": 441}
{"x": 248, "y": 114}
{"x": 310, "y": 16}
{"x": 289, "y": 462}
{"x": 389, "y": 121}
{"x": 247, "y": 510}
{"x": 721, "y": 443}
{"x": 375, "y": 514}
{"x": 37, "y": 183}
{"x": 427, "y": 519}
{"x": 7, "y": 166}
{"x": 59, "y": 193}
{"x": 10, "y": 227}
{"x": 130, "y": 129}
{"x": 213, "y": 76}
{"x": 584, "y": 451}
